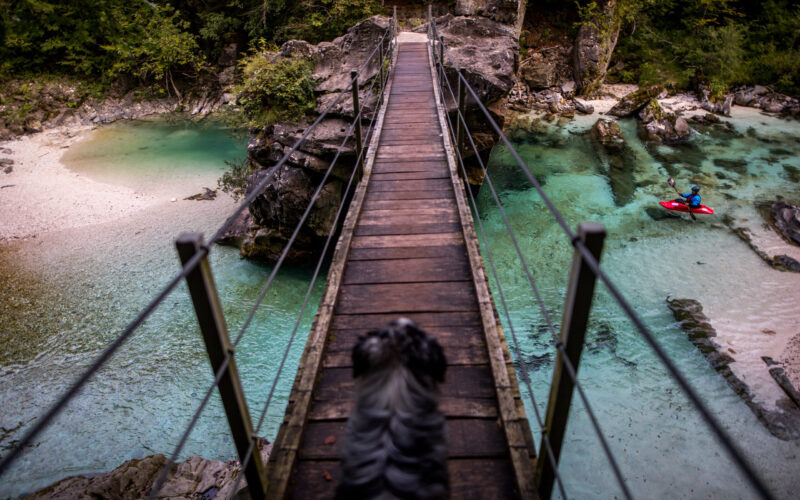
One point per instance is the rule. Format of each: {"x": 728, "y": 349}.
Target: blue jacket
{"x": 692, "y": 199}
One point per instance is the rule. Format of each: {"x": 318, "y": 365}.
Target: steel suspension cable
{"x": 725, "y": 440}
{"x": 193, "y": 262}
{"x": 601, "y": 436}
{"x": 489, "y": 257}
{"x": 228, "y": 356}
{"x": 54, "y": 410}
{"x": 264, "y": 410}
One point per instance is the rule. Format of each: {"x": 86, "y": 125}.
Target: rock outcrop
{"x": 285, "y": 193}
{"x": 484, "y": 46}
{"x": 635, "y": 101}
{"x": 659, "y": 125}
{"x": 787, "y": 220}
{"x": 195, "y": 478}
{"x": 594, "y": 45}
{"x": 783, "y": 422}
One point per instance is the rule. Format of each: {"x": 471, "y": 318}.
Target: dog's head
{"x": 400, "y": 342}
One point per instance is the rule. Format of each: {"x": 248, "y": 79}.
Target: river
{"x": 68, "y": 293}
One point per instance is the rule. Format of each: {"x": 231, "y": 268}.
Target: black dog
{"x": 395, "y": 445}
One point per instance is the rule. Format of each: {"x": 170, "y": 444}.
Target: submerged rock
{"x": 614, "y": 151}
{"x": 783, "y": 423}
{"x": 787, "y": 220}
{"x": 780, "y": 262}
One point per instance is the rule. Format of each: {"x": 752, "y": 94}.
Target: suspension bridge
{"x": 407, "y": 247}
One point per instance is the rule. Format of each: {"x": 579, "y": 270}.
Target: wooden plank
{"x": 433, "y": 321}
{"x": 406, "y": 241}
{"x": 407, "y": 271}
{"x": 467, "y": 438}
{"x": 408, "y": 195}
{"x": 456, "y": 356}
{"x": 447, "y": 213}
{"x": 470, "y": 479}
{"x": 406, "y": 297}
{"x": 384, "y": 217}
{"x": 400, "y": 252}
{"x": 405, "y": 229}
{"x": 409, "y": 185}
{"x": 428, "y": 204}
{"x": 450, "y": 408}
{"x": 468, "y": 382}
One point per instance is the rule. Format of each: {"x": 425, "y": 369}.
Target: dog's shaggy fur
{"x": 395, "y": 445}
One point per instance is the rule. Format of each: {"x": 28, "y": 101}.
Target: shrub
{"x": 275, "y": 89}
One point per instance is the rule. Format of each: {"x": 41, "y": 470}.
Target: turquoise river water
{"x": 67, "y": 294}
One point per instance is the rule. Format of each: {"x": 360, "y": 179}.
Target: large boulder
{"x": 787, "y": 220}
{"x": 334, "y": 60}
{"x": 613, "y": 151}
{"x": 594, "y": 45}
{"x": 659, "y": 125}
{"x": 486, "y": 50}
{"x": 511, "y": 12}
{"x": 276, "y": 211}
{"x": 635, "y": 101}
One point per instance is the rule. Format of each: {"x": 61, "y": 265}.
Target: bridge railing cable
{"x": 193, "y": 262}
{"x": 321, "y": 260}
{"x": 537, "y": 294}
{"x": 586, "y": 258}
{"x": 314, "y": 278}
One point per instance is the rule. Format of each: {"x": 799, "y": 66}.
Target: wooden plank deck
{"x": 406, "y": 250}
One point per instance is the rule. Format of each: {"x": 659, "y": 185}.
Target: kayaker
{"x": 691, "y": 199}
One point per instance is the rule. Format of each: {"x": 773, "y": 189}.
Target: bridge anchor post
{"x": 577, "y": 306}
{"x": 209, "y": 313}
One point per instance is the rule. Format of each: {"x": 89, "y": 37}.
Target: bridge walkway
{"x": 408, "y": 248}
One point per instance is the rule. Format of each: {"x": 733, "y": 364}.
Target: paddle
{"x": 671, "y": 182}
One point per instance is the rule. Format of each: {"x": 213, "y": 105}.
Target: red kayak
{"x": 680, "y": 207}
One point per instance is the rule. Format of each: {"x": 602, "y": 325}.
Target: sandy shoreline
{"x": 40, "y": 194}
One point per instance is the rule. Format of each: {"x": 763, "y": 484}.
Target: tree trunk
{"x": 594, "y": 45}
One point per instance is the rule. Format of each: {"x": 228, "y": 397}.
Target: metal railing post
{"x": 573, "y": 331}
{"x": 356, "y": 114}
{"x": 441, "y": 60}
{"x": 215, "y": 334}
{"x": 461, "y": 110}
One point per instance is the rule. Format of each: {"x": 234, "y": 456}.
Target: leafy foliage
{"x": 275, "y": 89}
{"x": 234, "y": 180}
{"x": 728, "y": 42}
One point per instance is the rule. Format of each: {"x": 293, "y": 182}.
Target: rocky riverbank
{"x": 29, "y": 107}
{"x": 196, "y": 478}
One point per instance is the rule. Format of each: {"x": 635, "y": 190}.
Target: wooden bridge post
{"x": 209, "y": 313}
{"x": 573, "y": 331}
{"x": 356, "y": 112}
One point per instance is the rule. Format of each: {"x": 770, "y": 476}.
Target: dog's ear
{"x": 428, "y": 352}
{"x": 438, "y": 362}
{"x": 361, "y": 354}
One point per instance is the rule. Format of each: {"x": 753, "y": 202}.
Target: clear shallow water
{"x": 662, "y": 445}
{"x": 67, "y": 294}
